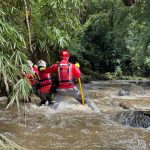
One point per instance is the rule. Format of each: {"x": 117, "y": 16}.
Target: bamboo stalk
{"x": 28, "y": 26}
{"x": 6, "y": 84}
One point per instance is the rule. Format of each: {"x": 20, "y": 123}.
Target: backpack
{"x": 65, "y": 76}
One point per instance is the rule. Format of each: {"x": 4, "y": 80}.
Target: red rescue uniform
{"x": 66, "y": 71}
{"x": 45, "y": 82}
{"x": 32, "y": 77}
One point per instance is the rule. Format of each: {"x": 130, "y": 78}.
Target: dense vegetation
{"x": 107, "y": 36}
{"x": 117, "y": 37}
{"x": 34, "y": 29}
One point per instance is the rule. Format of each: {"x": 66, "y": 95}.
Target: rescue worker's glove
{"x": 77, "y": 65}
{"x": 41, "y": 68}
{"x": 75, "y": 80}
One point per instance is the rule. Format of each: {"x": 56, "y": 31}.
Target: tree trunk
{"x": 38, "y": 55}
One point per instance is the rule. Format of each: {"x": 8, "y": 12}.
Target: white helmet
{"x": 41, "y": 63}
{"x": 29, "y": 63}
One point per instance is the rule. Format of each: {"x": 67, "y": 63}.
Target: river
{"x": 73, "y": 126}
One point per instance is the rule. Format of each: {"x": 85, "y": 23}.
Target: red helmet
{"x": 64, "y": 54}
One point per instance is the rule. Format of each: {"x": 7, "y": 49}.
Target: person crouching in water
{"x": 66, "y": 72}
{"x": 31, "y": 78}
{"x": 44, "y": 83}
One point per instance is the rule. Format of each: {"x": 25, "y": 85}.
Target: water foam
{"x": 63, "y": 107}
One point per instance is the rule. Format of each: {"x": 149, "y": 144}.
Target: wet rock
{"x": 138, "y": 104}
{"x": 123, "y": 93}
{"x": 134, "y": 119}
{"x": 6, "y": 144}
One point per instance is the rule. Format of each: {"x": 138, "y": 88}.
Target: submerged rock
{"x": 123, "y": 93}
{"x": 6, "y": 144}
{"x": 134, "y": 119}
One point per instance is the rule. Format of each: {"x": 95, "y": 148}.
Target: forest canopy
{"x": 106, "y": 35}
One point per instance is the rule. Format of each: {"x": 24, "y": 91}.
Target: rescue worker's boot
{"x": 43, "y": 101}
{"x": 50, "y": 101}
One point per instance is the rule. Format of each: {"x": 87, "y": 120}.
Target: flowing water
{"x": 73, "y": 126}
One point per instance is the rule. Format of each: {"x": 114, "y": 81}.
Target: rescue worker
{"x": 45, "y": 83}
{"x": 66, "y": 72}
{"x": 32, "y": 78}
{"x": 32, "y": 67}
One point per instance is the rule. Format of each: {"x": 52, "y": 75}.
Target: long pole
{"x": 81, "y": 91}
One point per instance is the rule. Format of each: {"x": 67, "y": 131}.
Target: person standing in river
{"x": 66, "y": 72}
{"x": 44, "y": 85}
